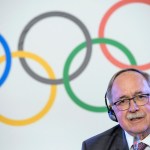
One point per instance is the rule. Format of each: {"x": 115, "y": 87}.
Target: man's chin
{"x": 138, "y": 131}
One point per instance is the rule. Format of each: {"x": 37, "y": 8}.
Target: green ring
{"x": 68, "y": 63}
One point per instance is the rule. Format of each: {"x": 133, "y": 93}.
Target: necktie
{"x": 141, "y": 146}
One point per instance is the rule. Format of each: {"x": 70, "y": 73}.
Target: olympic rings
{"x": 57, "y": 14}
{"x": 21, "y": 54}
{"x": 102, "y": 29}
{"x": 52, "y": 90}
{"x": 67, "y": 67}
{"x": 8, "y": 60}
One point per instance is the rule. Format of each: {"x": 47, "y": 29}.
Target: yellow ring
{"x": 51, "y": 99}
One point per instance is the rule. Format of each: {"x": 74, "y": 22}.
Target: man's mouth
{"x": 136, "y": 119}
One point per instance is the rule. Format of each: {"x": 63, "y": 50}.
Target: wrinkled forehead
{"x": 128, "y": 83}
{"x": 129, "y": 75}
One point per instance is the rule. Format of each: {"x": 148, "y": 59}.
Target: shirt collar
{"x": 130, "y": 139}
{"x": 146, "y": 140}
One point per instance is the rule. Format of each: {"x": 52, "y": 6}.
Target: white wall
{"x": 66, "y": 124}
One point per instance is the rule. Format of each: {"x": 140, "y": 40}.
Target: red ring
{"x": 101, "y": 34}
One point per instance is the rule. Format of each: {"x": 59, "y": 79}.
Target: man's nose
{"x": 133, "y": 106}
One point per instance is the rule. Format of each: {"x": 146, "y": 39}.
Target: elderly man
{"x": 128, "y": 95}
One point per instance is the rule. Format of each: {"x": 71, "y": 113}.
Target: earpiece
{"x": 112, "y": 115}
{"x": 111, "y": 112}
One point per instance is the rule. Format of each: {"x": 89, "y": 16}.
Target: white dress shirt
{"x": 131, "y": 138}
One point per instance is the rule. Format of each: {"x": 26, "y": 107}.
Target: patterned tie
{"x": 141, "y": 146}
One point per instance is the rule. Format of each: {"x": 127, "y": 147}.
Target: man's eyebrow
{"x": 123, "y": 97}
{"x": 138, "y": 92}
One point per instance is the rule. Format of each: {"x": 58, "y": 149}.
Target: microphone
{"x": 136, "y": 142}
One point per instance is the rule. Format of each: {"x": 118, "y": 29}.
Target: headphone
{"x": 111, "y": 112}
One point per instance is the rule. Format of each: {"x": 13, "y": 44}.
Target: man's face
{"x": 127, "y": 85}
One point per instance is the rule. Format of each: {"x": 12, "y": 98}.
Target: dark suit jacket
{"x": 112, "y": 139}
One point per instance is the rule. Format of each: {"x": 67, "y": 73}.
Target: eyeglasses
{"x": 124, "y": 104}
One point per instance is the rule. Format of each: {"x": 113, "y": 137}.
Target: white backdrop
{"x": 65, "y": 124}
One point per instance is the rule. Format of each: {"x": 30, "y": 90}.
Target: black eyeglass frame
{"x": 129, "y": 99}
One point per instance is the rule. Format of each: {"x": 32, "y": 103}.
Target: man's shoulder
{"x": 112, "y": 139}
{"x": 113, "y": 132}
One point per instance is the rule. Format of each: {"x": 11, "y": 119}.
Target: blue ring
{"x": 8, "y": 60}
